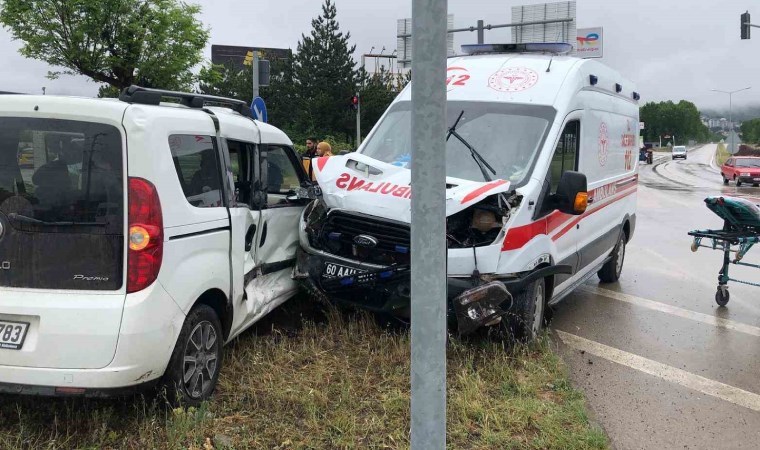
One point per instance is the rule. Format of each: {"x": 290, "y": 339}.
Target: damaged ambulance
{"x": 540, "y": 192}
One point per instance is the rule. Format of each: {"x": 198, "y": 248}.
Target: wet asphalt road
{"x": 662, "y": 366}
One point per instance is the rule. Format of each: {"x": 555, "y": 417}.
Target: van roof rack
{"x": 148, "y": 96}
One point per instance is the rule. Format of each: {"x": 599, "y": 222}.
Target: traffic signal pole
{"x": 358, "y": 121}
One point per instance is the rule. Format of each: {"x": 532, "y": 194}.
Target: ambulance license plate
{"x": 333, "y": 270}
{"x": 12, "y": 334}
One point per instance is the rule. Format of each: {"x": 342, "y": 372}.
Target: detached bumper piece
{"x": 481, "y": 306}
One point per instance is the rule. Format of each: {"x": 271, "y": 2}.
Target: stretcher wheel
{"x": 694, "y": 247}
{"x": 722, "y": 296}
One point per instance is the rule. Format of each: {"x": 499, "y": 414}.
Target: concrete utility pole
{"x": 429, "y": 24}
{"x": 731, "y": 148}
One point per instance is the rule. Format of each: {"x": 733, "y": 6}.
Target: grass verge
{"x": 327, "y": 381}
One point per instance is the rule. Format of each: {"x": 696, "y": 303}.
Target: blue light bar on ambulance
{"x": 559, "y": 48}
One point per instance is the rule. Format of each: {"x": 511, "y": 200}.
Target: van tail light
{"x": 146, "y": 235}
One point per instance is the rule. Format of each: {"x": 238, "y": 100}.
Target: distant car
{"x": 743, "y": 169}
{"x": 679, "y": 151}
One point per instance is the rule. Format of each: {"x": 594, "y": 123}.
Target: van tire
{"x": 611, "y": 270}
{"x": 524, "y": 321}
{"x": 201, "y": 339}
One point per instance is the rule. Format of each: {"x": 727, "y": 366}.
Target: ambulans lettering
{"x": 604, "y": 192}
{"x": 348, "y": 182}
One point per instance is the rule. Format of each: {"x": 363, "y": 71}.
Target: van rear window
{"x": 61, "y": 172}
{"x": 61, "y": 205}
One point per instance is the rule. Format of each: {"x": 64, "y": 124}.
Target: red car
{"x": 741, "y": 169}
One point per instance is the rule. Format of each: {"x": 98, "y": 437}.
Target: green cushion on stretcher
{"x": 739, "y": 212}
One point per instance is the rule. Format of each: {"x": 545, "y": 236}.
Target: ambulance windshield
{"x": 507, "y": 136}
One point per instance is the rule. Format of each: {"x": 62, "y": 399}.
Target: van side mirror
{"x": 572, "y": 193}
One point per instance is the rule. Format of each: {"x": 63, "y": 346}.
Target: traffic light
{"x": 354, "y": 102}
{"x": 745, "y": 25}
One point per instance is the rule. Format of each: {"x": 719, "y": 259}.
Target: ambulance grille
{"x": 392, "y": 238}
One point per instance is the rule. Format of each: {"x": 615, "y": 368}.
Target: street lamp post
{"x": 730, "y": 113}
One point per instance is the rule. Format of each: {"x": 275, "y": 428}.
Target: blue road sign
{"x": 259, "y": 109}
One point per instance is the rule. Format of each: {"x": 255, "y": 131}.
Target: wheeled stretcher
{"x": 741, "y": 231}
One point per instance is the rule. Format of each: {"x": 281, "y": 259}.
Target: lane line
{"x": 672, "y": 374}
{"x": 719, "y": 322}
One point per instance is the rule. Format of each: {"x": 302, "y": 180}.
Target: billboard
{"x": 590, "y": 42}
{"x": 404, "y": 41}
{"x": 241, "y": 56}
{"x": 547, "y": 32}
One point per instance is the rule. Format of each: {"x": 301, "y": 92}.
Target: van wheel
{"x": 611, "y": 270}
{"x": 197, "y": 359}
{"x": 526, "y": 318}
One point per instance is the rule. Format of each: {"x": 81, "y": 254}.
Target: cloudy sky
{"x": 672, "y": 49}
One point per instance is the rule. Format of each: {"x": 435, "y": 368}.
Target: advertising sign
{"x": 589, "y": 42}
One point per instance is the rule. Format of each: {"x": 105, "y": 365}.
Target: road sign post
{"x": 255, "y": 69}
{"x": 428, "y": 427}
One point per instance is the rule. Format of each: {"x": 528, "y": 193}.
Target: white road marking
{"x": 663, "y": 371}
{"x": 675, "y": 311}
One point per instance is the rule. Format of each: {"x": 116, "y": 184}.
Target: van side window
{"x": 282, "y": 175}
{"x": 566, "y": 154}
{"x": 195, "y": 159}
{"x": 240, "y": 154}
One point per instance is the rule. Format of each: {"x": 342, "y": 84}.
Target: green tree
{"x": 325, "y": 77}
{"x": 750, "y": 130}
{"x": 377, "y": 92}
{"x": 226, "y": 80}
{"x": 681, "y": 120}
{"x": 153, "y": 43}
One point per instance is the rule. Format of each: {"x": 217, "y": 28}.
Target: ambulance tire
{"x": 200, "y": 341}
{"x": 527, "y": 317}
{"x": 611, "y": 270}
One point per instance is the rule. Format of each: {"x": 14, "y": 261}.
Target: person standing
{"x": 324, "y": 149}
{"x": 311, "y": 152}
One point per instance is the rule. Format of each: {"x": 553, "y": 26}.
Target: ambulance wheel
{"x": 611, "y": 270}
{"x": 195, "y": 364}
{"x": 722, "y": 296}
{"x": 526, "y": 319}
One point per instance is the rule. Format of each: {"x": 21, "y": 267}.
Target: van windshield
{"x": 507, "y": 136}
{"x": 60, "y": 172}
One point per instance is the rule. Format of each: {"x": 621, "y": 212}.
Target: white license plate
{"x": 12, "y": 334}
{"x": 333, "y": 270}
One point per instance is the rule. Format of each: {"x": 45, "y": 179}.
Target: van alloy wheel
{"x": 200, "y": 362}
{"x": 196, "y": 361}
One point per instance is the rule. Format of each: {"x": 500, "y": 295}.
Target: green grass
{"x": 327, "y": 381}
{"x": 721, "y": 154}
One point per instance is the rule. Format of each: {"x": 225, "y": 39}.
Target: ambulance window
{"x": 197, "y": 165}
{"x": 566, "y": 154}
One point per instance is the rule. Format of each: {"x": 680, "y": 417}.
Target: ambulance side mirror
{"x": 572, "y": 193}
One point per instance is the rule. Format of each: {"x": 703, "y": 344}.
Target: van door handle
{"x": 249, "y": 235}
{"x": 263, "y": 235}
